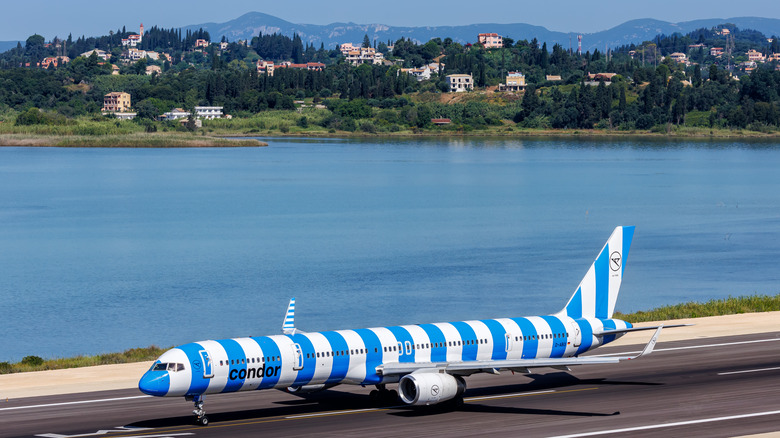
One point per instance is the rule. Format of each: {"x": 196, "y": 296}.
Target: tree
{"x": 366, "y": 42}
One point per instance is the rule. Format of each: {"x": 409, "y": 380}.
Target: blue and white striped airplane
{"x": 428, "y": 361}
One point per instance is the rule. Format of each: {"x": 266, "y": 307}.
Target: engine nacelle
{"x": 429, "y": 388}
{"x": 306, "y": 389}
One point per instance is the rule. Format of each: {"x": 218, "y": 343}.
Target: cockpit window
{"x": 173, "y": 367}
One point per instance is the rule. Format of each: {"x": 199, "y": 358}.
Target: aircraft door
{"x": 208, "y": 369}
{"x": 297, "y": 357}
{"x": 576, "y": 335}
{"x": 508, "y": 345}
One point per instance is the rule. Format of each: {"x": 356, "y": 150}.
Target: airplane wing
{"x": 517, "y": 365}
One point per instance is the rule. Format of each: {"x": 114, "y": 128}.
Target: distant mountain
{"x": 8, "y": 45}
{"x": 635, "y": 31}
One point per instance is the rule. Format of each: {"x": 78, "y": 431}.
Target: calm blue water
{"x": 106, "y": 249}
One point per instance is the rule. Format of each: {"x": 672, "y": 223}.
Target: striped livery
{"x": 411, "y": 354}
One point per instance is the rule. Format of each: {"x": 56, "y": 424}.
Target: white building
{"x": 100, "y": 54}
{"x": 208, "y": 112}
{"x": 175, "y": 114}
{"x": 460, "y": 83}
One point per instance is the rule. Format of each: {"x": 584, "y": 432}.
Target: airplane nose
{"x": 155, "y": 383}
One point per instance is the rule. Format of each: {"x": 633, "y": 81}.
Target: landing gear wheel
{"x": 203, "y": 421}
{"x": 391, "y": 396}
{"x": 374, "y": 395}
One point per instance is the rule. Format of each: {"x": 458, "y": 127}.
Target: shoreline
{"x": 135, "y": 140}
{"x": 125, "y": 376}
{"x": 224, "y": 138}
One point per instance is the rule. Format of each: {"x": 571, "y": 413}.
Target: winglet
{"x": 650, "y": 345}
{"x": 288, "y": 326}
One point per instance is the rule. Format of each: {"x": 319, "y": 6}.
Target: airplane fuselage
{"x": 322, "y": 359}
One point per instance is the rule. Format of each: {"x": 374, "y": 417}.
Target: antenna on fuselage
{"x": 288, "y": 325}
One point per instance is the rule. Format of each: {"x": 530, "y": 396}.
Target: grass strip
{"x": 727, "y": 306}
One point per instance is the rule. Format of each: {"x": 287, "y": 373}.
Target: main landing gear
{"x": 202, "y": 419}
{"x": 382, "y": 396}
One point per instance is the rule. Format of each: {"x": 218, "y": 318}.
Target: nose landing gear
{"x": 201, "y": 419}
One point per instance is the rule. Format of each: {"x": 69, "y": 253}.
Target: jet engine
{"x": 430, "y": 388}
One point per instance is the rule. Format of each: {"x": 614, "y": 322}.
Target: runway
{"x": 714, "y": 387}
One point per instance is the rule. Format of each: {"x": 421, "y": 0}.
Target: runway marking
{"x": 349, "y": 412}
{"x": 325, "y": 414}
{"x": 48, "y": 405}
{"x": 663, "y": 426}
{"x": 519, "y": 394}
{"x": 748, "y": 371}
{"x": 691, "y": 347}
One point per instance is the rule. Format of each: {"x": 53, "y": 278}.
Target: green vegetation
{"x": 728, "y": 306}
{"x": 647, "y": 94}
{"x": 35, "y": 363}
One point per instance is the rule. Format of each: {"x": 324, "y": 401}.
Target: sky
{"x": 51, "y": 18}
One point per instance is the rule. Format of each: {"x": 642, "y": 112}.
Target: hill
{"x": 634, "y": 31}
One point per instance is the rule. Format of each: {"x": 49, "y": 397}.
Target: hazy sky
{"x": 19, "y": 19}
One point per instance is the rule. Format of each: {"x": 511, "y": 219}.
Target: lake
{"x": 107, "y": 249}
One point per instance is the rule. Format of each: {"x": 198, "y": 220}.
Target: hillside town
{"x": 302, "y": 76}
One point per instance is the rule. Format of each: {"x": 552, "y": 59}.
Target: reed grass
{"x": 35, "y": 363}
{"x": 727, "y": 306}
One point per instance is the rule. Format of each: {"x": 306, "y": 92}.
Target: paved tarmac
{"x": 713, "y": 387}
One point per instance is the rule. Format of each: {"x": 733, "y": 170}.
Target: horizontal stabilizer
{"x": 636, "y": 329}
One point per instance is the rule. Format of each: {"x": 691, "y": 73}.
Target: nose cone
{"x": 155, "y": 383}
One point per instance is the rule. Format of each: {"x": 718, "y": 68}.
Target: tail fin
{"x": 598, "y": 291}
{"x": 288, "y": 326}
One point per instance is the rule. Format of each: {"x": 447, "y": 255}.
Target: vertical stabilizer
{"x": 598, "y": 291}
{"x": 288, "y": 326}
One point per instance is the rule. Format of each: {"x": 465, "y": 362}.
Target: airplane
{"x": 427, "y": 361}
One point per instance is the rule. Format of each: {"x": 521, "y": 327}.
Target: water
{"x": 107, "y": 249}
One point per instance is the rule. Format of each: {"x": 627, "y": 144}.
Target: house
{"x": 441, "y": 122}
{"x": 152, "y": 55}
{"x": 116, "y": 102}
{"x": 421, "y": 74}
{"x": 553, "y": 78}
{"x": 125, "y": 115}
{"x": 515, "y": 81}
{"x": 678, "y": 57}
{"x": 424, "y": 73}
{"x": 364, "y": 55}
{"x": 755, "y": 56}
{"x": 175, "y": 114}
{"x": 697, "y": 46}
{"x": 266, "y": 67}
{"x": 223, "y": 45}
{"x": 491, "y": 40}
{"x": 716, "y": 51}
{"x": 100, "y": 54}
{"x": 201, "y": 43}
{"x": 134, "y": 40}
{"x": 134, "y": 54}
{"x": 459, "y": 83}
{"x": 114, "y": 69}
{"x": 54, "y": 61}
{"x": 208, "y": 112}
{"x": 593, "y": 79}
{"x": 152, "y": 69}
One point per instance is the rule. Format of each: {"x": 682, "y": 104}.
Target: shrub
{"x": 368, "y": 127}
{"x": 32, "y": 361}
